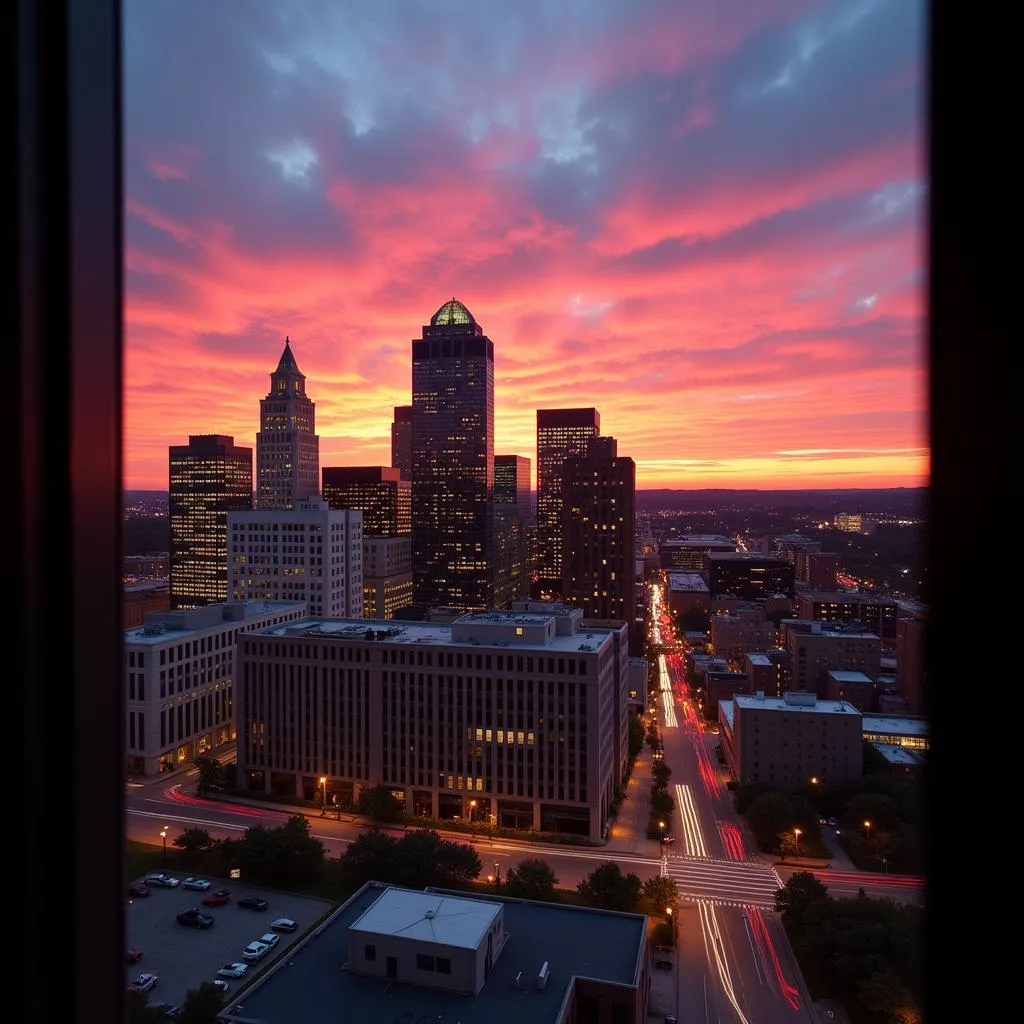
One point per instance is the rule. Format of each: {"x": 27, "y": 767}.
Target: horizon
{"x": 705, "y": 220}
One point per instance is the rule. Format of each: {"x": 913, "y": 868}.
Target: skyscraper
{"x": 513, "y": 508}
{"x": 561, "y": 433}
{"x": 379, "y": 491}
{"x": 208, "y": 477}
{"x": 512, "y": 484}
{"x": 453, "y": 455}
{"x": 598, "y": 524}
{"x": 287, "y": 448}
{"x": 401, "y": 441}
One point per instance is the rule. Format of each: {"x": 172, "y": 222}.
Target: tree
{"x": 663, "y": 935}
{"x": 380, "y": 804}
{"x": 662, "y": 773}
{"x": 802, "y": 891}
{"x": 636, "y": 737}
{"x": 371, "y": 857}
{"x": 201, "y": 1005}
{"x": 286, "y": 855}
{"x": 662, "y": 804}
{"x": 211, "y": 774}
{"x": 192, "y": 840}
{"x": 660, "y": 892}
{"x": 423, "y": 859}
{"x": 607, "y": 887}
{"x": 769, "y": 816}
{"x": 532, "y": 879}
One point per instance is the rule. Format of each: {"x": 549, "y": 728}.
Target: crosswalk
{"x": 733, "y": 883}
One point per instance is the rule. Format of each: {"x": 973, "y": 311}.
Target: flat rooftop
{"x": 830, "y": 707}
{"x": 313, "y": 986}
{"x": 429, "y": 916}
{"x": 845, "y": 676}
{"x": 687, "y": 581}
{"x": 392, "y": 631}
{"x": 897, "y": 755}
{"x": 896, "y": 725}
{"x": 253, "y": 611}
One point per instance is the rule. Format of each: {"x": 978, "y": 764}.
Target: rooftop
{"x": 181, "y": 624}
{"x": 895, "y": 754}
{"x": 429, "y": 916}
{"x": 315, "y": 988}
{"x": 691, "y": 540}
{"x": 687, "y": 581}
{"x": 844, "y": 676}
{"x": 895, "y": 725}
{"x": 452, "y": 312}
{"x": 830, "y": 707}
{"x": 391, "y": 631}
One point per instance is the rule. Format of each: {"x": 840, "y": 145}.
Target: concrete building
{"x": 525, "y": 714}
{"x": 179, "y": 677}
{"x": 873, "y": 613}
{"x": 287, "y": 448}
{"x": 561, "y": 434}
{"x": 512, "y": 485}
{"x": 153, "y": 566}
{"x": 387, "y": 576}
{"x": 748, "y": 575}
{"x": 453, "y": 549}
{"x": 745, "y": 629}
{"x": 911, "y": 655}
{"x": 854, "y": 687}
{"x": 688, "y": 552}
{"x": 309, "y": 552}
{"x": 814, "y": 649}
{"x": 598, "y": 531}
{"x": 140, "y": 599}
{"x": 816, "y": 569}
{"x": 402, "y": 955}
{"x": 788, "y": 740}
{"x": 208, "y": 478}
{"x": 765, "y": 673}
{"x": 688, "y": 591}
{"x": 379, "y": 492}
{"x": 401, "y": 441}
{"x": 722, "y": 685}
{"x": 900, "y": 730}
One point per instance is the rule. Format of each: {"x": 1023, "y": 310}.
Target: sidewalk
{"x": 629, "y": 830}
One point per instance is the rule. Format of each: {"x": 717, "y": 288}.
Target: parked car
{"x": 163, "y": 880}
{"x": 217, "y": 898}
{"x": 668, "y": 840}
{"x": 283, "y": 924}
{"x": 134, "y": 955}
{"x": 195, "y": 918}
{"x": 220, "y": 984}
{"x": 139, "y": 889}
{"x": 167, "y": 1009}
{"x": 269, "y": 939}
{"x": 235, "y": 970}
{"x": 199, "y": 884}
{"x": 253, "y": 903}
{"x": 256, "y": 950}
{"x": 144, "y": 982}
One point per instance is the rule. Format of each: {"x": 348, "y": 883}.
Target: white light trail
{"x": 692, "y": 836}
{"x": 716, "y": 955}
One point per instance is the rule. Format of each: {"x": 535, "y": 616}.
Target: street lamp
{"x": 796, "y": 841}
{"x": 497, "y": 875}
{"x": 472, "y": 811}
{"x": 323, "y": 799}
{"x": 163, "y": 836}
{"x": 867, "y": 830}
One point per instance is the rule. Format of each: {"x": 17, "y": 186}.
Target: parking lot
{"x": 184, "y": 957}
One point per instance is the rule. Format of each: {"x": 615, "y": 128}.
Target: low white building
{"x": 427, "y": 938}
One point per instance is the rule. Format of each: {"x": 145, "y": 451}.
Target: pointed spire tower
{"x": 287, "y": 447}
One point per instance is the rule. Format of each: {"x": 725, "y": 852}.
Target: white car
{"x": 199, "y": 884}
{"x": 283, "y": 924}
{"x": 235, "y": 970}
{"x": 161, "y": 878}
{"x": 270, "y": 939}
{"x": 255, "y": 951}
{"x": 220, "y": 985}
{"x": 144, "y": 982}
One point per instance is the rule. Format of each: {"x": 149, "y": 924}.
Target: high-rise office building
{"x": 208, "y": 478}
{"x": 287, "y": 448}
{"x": 384, "y": 498}
{"x": 401, "y": 441}
{"x": 748, "y": 575}
{"x": 387, "y": 575}
{"x": 310, "y": 553}
{"x": 453, "y": 455}
{"x": 598, "y": 522}
{"x": 512, "y": 484}
{"x": 561, "y": 433}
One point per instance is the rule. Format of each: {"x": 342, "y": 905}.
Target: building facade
{"x": 745, "y": 629}
{"x": 179, "y": 676}
{"x": 815, "y": 648}
{"x": 401, "y": 441}
{"x": 512, "y": 485}
{"x": 387, "y": 575}
{"x": 788, "y": 740}
{"x": 561, "y": 434}
{"x": 505, "y": 717}
{"x": 748, "y": 576}
{"x": 310, "y": 553}
{"x": 598, "y": 525}
{"x": 208, "y": 478}
{"x": 876, "y": 614}
{"x": 453, "y": 456}
{"x": 687, "y": 552}
{"x": 287, "y": 448}
{"x": 384, "y": 498}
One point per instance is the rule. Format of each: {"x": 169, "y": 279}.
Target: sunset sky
{"x": 705, "y": 218}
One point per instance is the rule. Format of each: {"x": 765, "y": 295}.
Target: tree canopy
{"x": 531, "y": 879}
{"x": 286, "y": 855}
{"x": 418, "y": 859}
{"x": 607, "y": 887}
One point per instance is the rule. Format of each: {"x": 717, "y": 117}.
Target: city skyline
{"x": 705, "y": 220}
